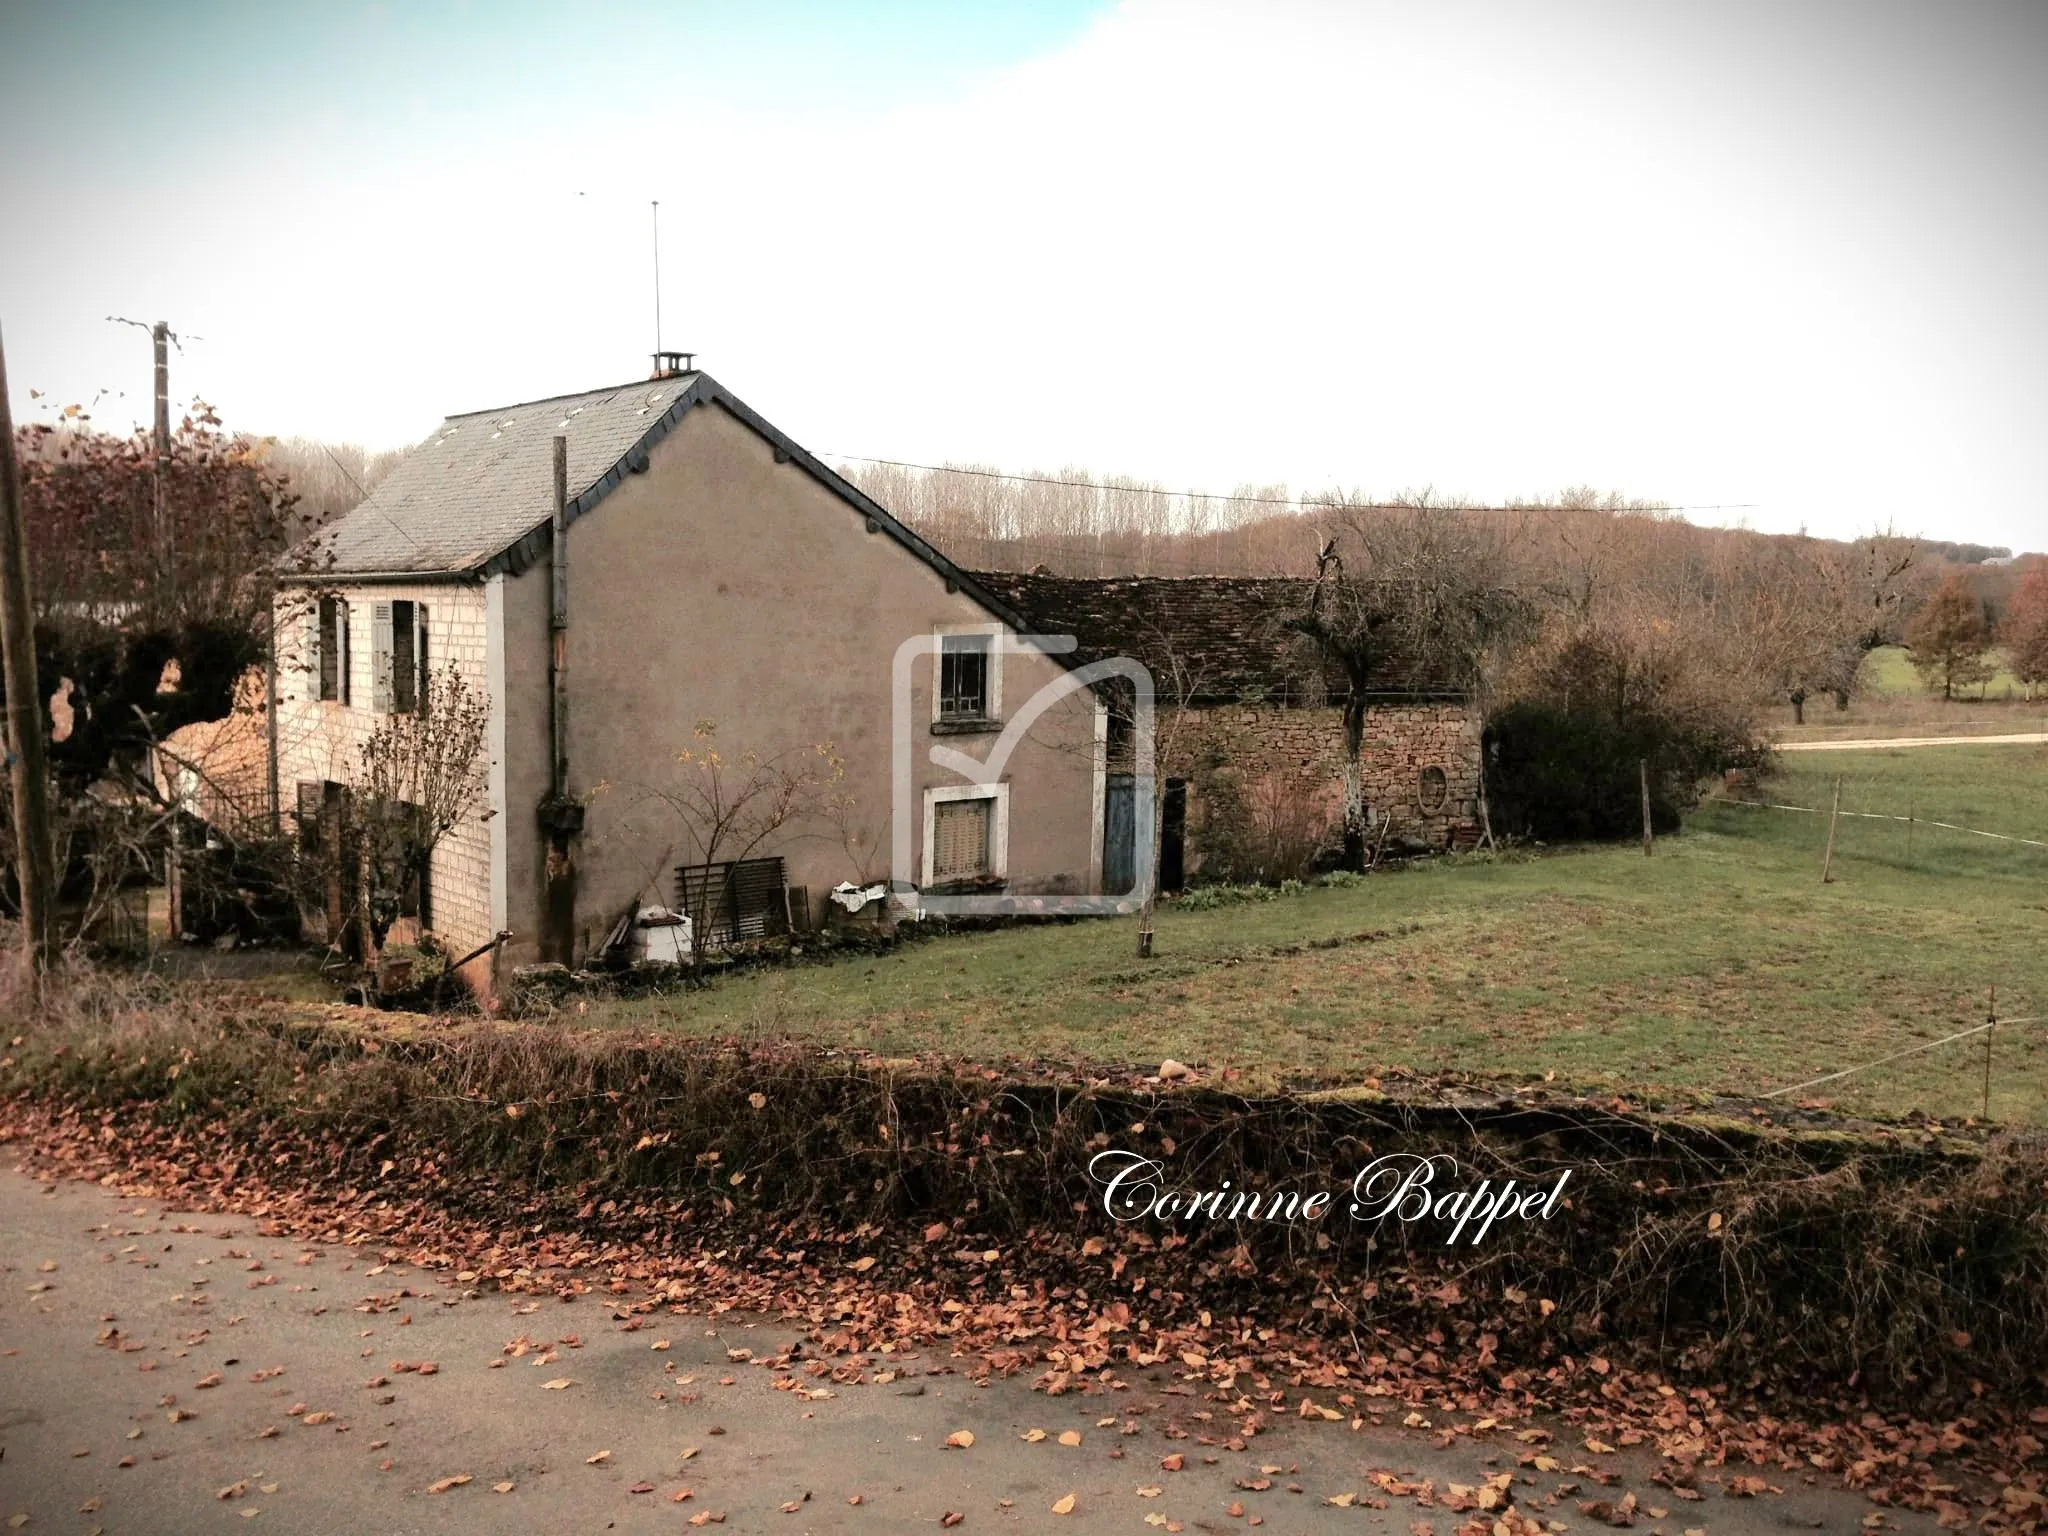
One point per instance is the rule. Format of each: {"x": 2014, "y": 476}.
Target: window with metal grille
{"x": 960, "y": 839}
{"x": 963, "y": 677}
{"x": 745, "y": 899}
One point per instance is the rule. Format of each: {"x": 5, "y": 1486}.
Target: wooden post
{"x": 1991, "y": 1020}
{"x": 1827, "y": 863}
{"x": 270, "y": 725}
{"x": 35, "y": 854}
{"x": 1649, "y": 841}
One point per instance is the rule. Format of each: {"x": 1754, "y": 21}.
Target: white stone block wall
{"x": 322, "y": 739}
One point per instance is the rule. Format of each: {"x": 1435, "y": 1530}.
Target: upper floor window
{"x": 331, "y": 649}
{"x": 966, "y": 681}
{"x": 398, "y": 657}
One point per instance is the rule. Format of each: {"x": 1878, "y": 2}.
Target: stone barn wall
{"x": 1280, "y": 770}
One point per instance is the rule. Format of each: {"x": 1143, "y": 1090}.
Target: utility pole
{"x": 160, "y": 334}
{"x": 35, "y": 855}
{"x": 163, "y": 551}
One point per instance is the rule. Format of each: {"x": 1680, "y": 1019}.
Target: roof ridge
{"x": 682, "y": 380}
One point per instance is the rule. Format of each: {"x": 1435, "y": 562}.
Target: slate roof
{"x": 477, "y": 497}
{"x": 1217, "y": 637}
{"x": 484, "y": 480}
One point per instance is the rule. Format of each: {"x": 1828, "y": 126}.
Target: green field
{"x": 1889, "y": 671}
{"x": 1894, "y": 701}
{"x": 1721, "y": 964}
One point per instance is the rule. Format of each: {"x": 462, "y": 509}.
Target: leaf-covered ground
{"x": 1592, "y": 1438}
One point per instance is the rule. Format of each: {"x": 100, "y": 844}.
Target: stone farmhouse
{"x": 611, "y": 570}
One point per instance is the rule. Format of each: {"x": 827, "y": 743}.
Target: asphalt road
{"x": 164, "y": 1373}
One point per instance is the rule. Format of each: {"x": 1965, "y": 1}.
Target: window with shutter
{"x": 405, "y": 660}
{"x": 329, "y": 649}
{"x": 420, "y": 665}
{"x": 960, "y": 839}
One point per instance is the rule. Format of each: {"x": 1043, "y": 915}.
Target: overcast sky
{"x": 1786, "y": 254}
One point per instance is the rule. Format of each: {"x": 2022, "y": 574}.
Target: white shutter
{"x": 380, "y": 658}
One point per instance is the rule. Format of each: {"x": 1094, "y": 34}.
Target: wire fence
{"x": 1910, "y": 821}
{"x": 1911, "y": 1050}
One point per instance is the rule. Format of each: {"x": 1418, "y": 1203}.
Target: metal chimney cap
{"x": 668, "y": 364}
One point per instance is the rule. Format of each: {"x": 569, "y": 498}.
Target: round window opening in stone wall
{"x": 1434, "y": 789}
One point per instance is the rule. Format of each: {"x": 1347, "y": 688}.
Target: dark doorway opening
{"x": 1173, "y": 823}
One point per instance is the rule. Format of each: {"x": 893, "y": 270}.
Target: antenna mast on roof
{"x": 657, "y": 276}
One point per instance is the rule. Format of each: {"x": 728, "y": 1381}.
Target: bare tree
{"x": 723, "y": 808}
{"x": 1422, "y": 580}
{"x": 420, "y": 775}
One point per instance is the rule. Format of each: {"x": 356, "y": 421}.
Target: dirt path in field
{"x": 167, "y": 1373}
{"x": 2028, "y": 739}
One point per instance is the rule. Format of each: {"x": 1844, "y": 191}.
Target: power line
{"x": 1264, "y": 501}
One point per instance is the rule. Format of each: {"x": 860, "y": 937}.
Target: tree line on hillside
{"x": 1599, "y": 633}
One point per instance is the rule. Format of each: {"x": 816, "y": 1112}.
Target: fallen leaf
{"x": 591, "y": 1461}
{"x": 442, "y": 1485}
{"x": 560, "y": 1383}
{"x": 1173, "y": 1463}
{"x": 951, "y": 1518}
{"x": 1063, "y": 1506}
{"x": 960, "y": 1439}
{"x": 1070, "y": 1437}
{"x": 1032, "y": 1436}
{"x": 708, "y": 1517}
{"x": 504, "y": 1487}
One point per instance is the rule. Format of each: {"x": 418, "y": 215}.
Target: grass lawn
{"x": 1893, "y": 701}
{"x": 1720, "y": 964}
{"x": 1888, "y": 670}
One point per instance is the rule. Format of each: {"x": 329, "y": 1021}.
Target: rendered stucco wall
{"x": 720, "y": 585}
